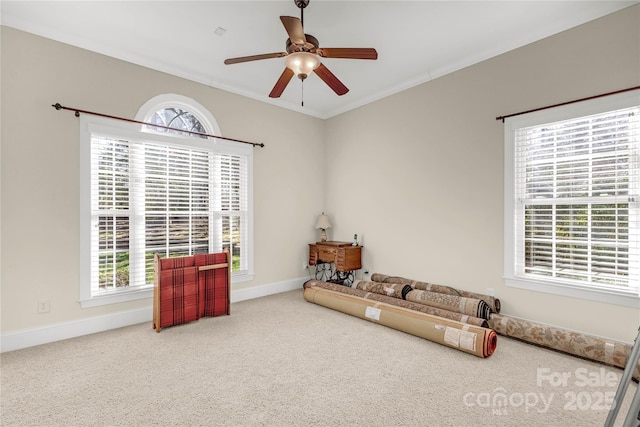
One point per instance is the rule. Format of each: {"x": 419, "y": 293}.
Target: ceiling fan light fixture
{"x": 303, "y": 55}
{"x": 302, "y": 63}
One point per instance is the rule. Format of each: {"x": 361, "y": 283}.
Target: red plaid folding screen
{"x": 190, "y": 287}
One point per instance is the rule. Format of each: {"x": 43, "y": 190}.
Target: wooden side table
{"x": 335, "y": 261}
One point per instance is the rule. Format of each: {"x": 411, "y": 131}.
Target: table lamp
{"x": 323, "y": 223}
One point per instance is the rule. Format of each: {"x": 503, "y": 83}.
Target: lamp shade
{"x": 302, "y": 63}
{"x": 323, "y": 222}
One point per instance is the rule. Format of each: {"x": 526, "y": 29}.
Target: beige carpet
{"x": 282, "y": 361}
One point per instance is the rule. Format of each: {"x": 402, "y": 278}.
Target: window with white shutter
{"x": 151, "y": 191}
{"x": 572, "y": 206}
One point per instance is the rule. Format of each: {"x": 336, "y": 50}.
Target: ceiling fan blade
{"x": 281, "y": 84}
{"x": 348, "y": 52}
{"x": 294, "y": 28}
{"x": 331, "y": 80}
{"x": 254, "y": 57}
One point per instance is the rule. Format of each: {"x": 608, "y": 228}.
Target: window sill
{"x": 609, "y": 296}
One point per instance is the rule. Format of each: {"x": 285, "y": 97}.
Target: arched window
{"x": 179, "y": 112}
{"x": 157, "y": 190}
{"x": 177, "y": 118}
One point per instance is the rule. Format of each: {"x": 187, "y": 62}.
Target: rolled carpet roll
{"x": 598, "y": 349}
{"x": 396, "y": 290}
{"x": 463, "y": 318}
{"x": 493, "y": 302}
{"x": 470, "y": 306}
{"x": 455, "y": 303}
{"x": 470, "y": 339}
{"x": 383, "y": 278}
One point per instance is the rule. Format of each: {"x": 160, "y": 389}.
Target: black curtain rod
{"x": 57, "y": 106}
{"x": 566, "y": 103}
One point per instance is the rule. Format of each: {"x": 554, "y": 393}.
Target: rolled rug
{"x": 469, "y": 306}
{"x": 470, "y": 339}
{"x": 598, "y": 349}
{"x": 383, "y": 278}
{"x": 396, "y": 290}
{"x": 493, "y": 302}
{"x": 463, "y": 318}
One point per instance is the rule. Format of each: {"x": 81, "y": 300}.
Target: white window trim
{"x": 174, "y": 100}
{"x": 611, "y": 296}
{"x": 90, "y": 124}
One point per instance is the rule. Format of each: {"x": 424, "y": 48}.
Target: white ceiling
{"x": 416, "y": 40}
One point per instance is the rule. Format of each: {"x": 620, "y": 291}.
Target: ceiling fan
{"x": 303, "y": 53}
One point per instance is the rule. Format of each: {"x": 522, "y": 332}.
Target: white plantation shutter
{"x": 577, "y": 205}
{"x": 149, "y": 195}
{"x": 111, "y": 213}
{"x": 232, "y": 202}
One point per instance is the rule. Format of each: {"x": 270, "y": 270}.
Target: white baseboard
{"x": 269, "y": 289}
{"x": 65, "y": 330}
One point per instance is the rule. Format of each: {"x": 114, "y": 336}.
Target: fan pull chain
{"x": 302, "y": 95}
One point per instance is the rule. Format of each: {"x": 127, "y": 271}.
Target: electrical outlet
{"x": 491, "y": 292}
{"x": 44, "y": 306}
{"x": 305, "y": 266}
{"x": 366, "y": 270}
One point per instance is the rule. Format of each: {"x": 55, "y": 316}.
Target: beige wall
{"x": 40, "y": 187}
{"x": 418, "y": 174}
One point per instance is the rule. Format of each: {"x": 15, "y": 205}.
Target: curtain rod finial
{"x": 57, "y": 106}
